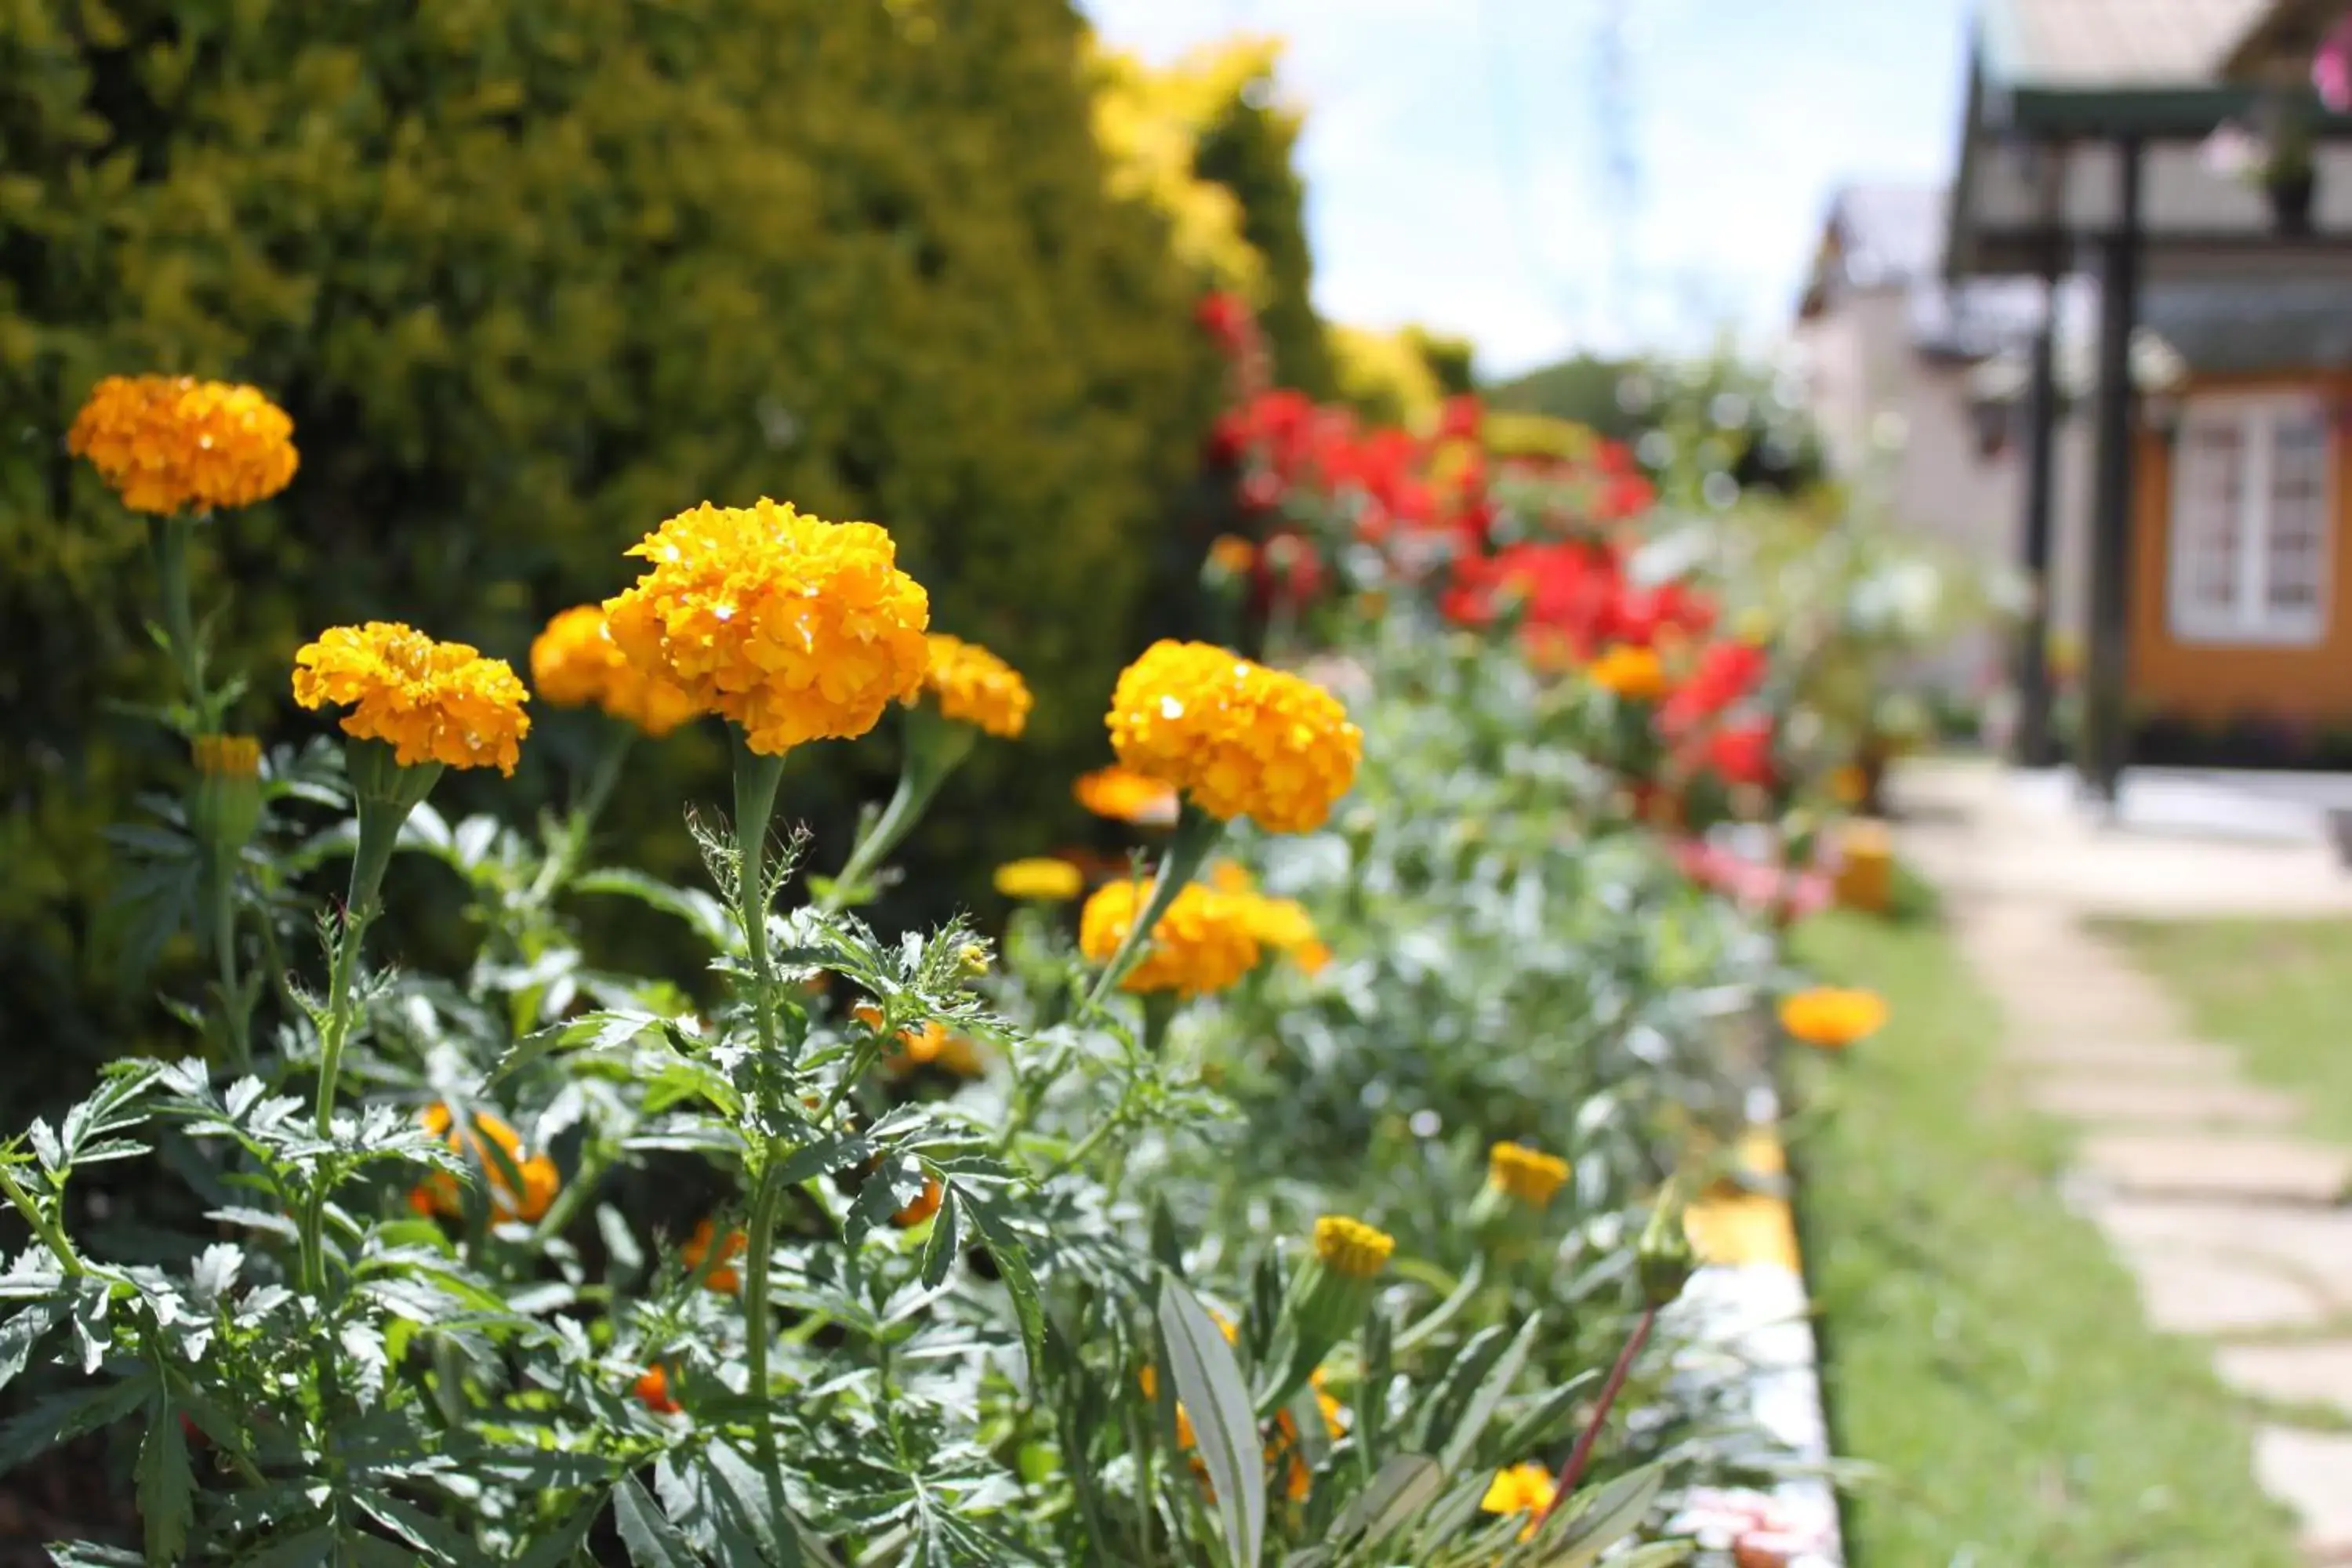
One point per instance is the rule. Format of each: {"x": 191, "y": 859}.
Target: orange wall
{"x": 2214, "y": 681}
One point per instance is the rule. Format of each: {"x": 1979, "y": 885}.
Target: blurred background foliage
{"x": 532, "y": 277}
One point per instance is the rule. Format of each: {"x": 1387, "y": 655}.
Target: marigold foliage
{"x": 1041, "y": 879}
{"x": 1832, "y": 1017}
{"x": 1203, "y": 943}
{"x": 431, "y": 701}
{"x": 975, "y": 686}
{"x": 172, "y": 443}
{"x": 1125, "y": 796}
{"x": 438, "y": 1194}
{"x": 1351, "y": 1248}
{"x": 1237, "y": 737}
{"x": 575, "y": 664}
{"x": 1527, "y": 1175}
{"x": 795, "y": 629}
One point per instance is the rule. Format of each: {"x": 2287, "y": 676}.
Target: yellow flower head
{"x": 438, "y": 1192}
{"x": 1521, "y": 1489}
{"x": 975, "y": 686}
{"x": 1527, "y": 1175}
{"x": 574, "y": 664}
{"x": 722, "y": 1277}
{"x": 1125, "y": 796}
{"x": 165, "y": 442}
{"x": 1350, "y": 1246}
{"x": 227, "y": 756}
{"x": 1203, "y": 943}
{"x": 1633, "y": 673}
{"x": 795, "y": 629}
{"x": 1832, "y": 1017}
{"x": 1042, "y": 878}
{"x": 431, "y": 701}
{"x": 1240, "y": 738}
{"x": 1284, "y": 925}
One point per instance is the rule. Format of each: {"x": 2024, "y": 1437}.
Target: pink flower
{"x": 2331, "y": 68}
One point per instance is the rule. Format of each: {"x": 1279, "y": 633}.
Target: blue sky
{"x": 1457, "y": 151}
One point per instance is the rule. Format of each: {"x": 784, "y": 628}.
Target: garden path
{"x": 2238, "y": 1230}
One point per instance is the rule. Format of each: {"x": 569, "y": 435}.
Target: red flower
{"x": 1742, "y": 754}
{"x": 1727, "y": 672}
{"x": 1460, "y": 419}
{"x": 1288, "y": 573}
{"x": 1226, "y": 318}
{"x": 1261, "y": 491}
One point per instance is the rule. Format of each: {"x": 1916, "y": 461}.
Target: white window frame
{"x": 2250, "y": 620}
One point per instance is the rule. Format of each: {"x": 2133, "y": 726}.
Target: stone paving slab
{"x": 2308, "y": 1471}
{"x": 2189, "y": 1293}
{"x": 2315, "y": 1373}
{"x": 2314, "y": 1244}
{"x": 2112, "y": 1101}
{"x": 2157, "y": 1061}
{"x": 2275, "y": 1169}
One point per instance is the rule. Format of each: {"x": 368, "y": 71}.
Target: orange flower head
{"x": 1236, "y": 738}
{"x": 652, "y": 1388}
{"x": 1040, "y": 879}
{"x": 1204, "y": 943}
{"x": 975, "y": 686}
{"x": 1831, "y": 1017}
{"x": 722, "y": 1276}
{"x": 1527, "y": 1175}
{"x": 431, "y": 701}
{"x": 1630, "y": 672}
{"x": 1125, "y": 796}
{"x": 923, "y": 1207}
{"x": 574, "y": 664}
{"x": 170, "y": 443}
{"x": 438, "y": 1194}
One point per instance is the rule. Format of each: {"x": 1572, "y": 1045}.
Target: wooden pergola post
{"x": 2030, "y": 744}
{"x": 2106, "y": 737}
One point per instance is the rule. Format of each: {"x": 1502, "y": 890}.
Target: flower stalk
{"x": 935, "y": 746}
{"x": 1196, "y": 834}
{"x": 756, "y": 775}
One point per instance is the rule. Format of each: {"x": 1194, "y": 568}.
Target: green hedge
{"x": 531, "y": 276}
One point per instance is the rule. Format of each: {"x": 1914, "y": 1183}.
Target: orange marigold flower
{"x": 1351, "y": 1248}
{"x": 430, "y": 701}
{"x": 652, "y": 1387}
{"x": 1527, "y": 1175}
{"x": 1628, "y": 671}
{"x": 1202, "y": 944}
{"x": 934, "y": 1044}
{"x": 1041, "y": 879}
{"x": 1231, "y": 554}
{"x": 574, "y": 664}
{"x": 1831, "y": 1017}
{"x": 975, "y": 686}
{"x": 1284, "y": 925}
{"x": 722, "y": 1276}
{"x": 169, "y": 442}
{"x": 793, "y": 627}
{"x": 439, "y": 1193}
{"x": 1237, "y": 737}
{"x": 923, "y": 1207}
{"x": 1125, "y": 796}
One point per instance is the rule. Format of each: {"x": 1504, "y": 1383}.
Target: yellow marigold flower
{"x": 1040, "y": 878}
{"x": 1282, "y": 924}
{"x": 1848, "y": 784}
{"x": 722, "y": 1276}
{"x": 975, "y": 686}
{"x": 924, "y": 1206}
{"x": 933, "y": 1045}
{"x": 1636, "y": 674}
{"x": 1527, "y": 1175}
{"x": 431, "y": 701}
{"x": 574, "y": 664}
{"x": 1231, "y": 554}
{"x": 794, "y": 628}
{"x": 1832, "y": 1017}
{"x": 1125, "y": 796}
{"x": 438, "y": 1192}
{"x": 1202, "y": 944}
{"x": 227, "y": 756}
{"x": 1231, "y": 877}
{"x": 1521, "y": 1489}
{"x": 1351, "y": 1248}
{"x": 168, "y": 442}
{"x": 1241, "y": 740}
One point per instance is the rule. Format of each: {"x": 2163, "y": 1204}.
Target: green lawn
{"x": 2279, "y": 990}
{"x": 1984, "y": 1352}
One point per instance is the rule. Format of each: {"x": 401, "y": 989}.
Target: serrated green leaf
{"x": 942, "y": 1248}
{"x": 652, "y": 1542}
{"x": 68, "y": 1413}
{"x": 1209, "y": 1385}
{"x": 1012, "y": 1267}
{"x": 20, "y": 1334}
{"x": 167, "y": 1485}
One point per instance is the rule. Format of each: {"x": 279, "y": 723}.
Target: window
{"x": 2251, "y": 521}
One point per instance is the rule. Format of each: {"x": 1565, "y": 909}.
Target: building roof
{"x": 2197, "y": 328}
{"x": 2096, "y": 45}
{"x": 1890, "y": 236}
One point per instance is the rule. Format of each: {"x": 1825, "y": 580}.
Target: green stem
{"x": 234, "y": 1002}
{"x": 756, "y": 778}
{"x": 179, "y": 617}
{"x": 53, "y": 1235}
{"x": 564, "y": 857}
{"x": 1196, "y": 834}
{"x": 380, "y": 823}
{"x": 935, "y": 746}
{"x": 759, "y": 1244}
{"x": 593, "y": 1161}
{"x": 1087, "y": 1145}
